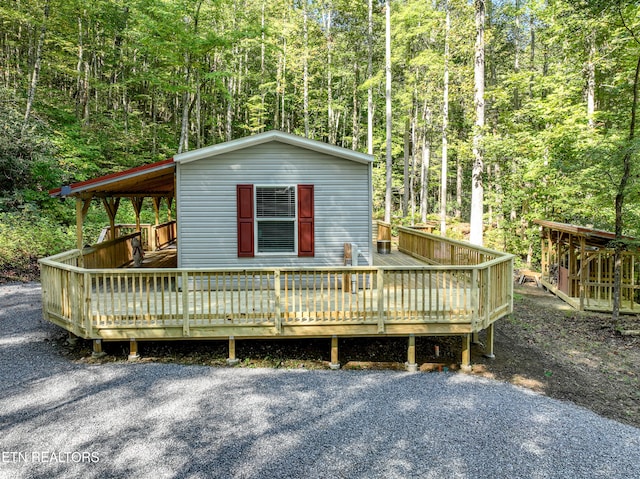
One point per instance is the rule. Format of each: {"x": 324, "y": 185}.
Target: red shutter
{"x": 305, "y": 220}
{"x": 244, "y": 199}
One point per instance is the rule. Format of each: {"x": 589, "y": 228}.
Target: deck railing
{"x": 163, "y": 235}
{"x": 154, "y": 237}
{"x": 110, "y": 254}
{"x": 173, "y": 303}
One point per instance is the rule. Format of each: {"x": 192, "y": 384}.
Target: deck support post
{"x": 475, "y": 338}
{"x": 133, "y": 350}
{"x": 488, "y": 349}
{"x": 465, "y": 363}
{"x": 97, "y": 349}
{"x": 334, "y": 364}
{"x": 232, "y": 360}
{"x": 411, "y": 365}
{"x": 72, "y": 339}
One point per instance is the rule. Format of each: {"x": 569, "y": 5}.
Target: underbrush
{"x": 25, "y": 237}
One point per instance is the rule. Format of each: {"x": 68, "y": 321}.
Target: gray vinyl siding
{"x": 206, "y": 205}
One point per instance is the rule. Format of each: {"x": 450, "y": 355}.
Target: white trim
{"x": 273, "y": 135}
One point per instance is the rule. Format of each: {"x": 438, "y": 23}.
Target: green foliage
{"x": 117, "y": 78}
{"x": 25, "y": 237}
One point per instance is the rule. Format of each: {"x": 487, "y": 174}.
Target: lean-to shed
{"x": 577, "y": 266}
{"x": 272, "y": 200}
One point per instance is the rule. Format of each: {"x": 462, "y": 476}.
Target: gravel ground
{"x": 64, "y": 419}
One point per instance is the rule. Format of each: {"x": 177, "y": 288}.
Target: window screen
{"x": 275, "y": 217}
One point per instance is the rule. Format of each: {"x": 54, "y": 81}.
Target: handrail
{"x": 113, "y": 253}
{"x": 217, "y": 302}
{"x": 163, "y": 234}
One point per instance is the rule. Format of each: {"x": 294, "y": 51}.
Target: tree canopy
{"x": 122, "y": 83}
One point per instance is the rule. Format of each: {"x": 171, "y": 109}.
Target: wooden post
{"x": 136, "y": 202}
{"x": 232, "y": 360}
{"x": 185, "y": 304}
{"x": 381, "y": 312}
{"x": 169, "y": 202}
{"x": 348, "y": 261}
{"x": 489, "y": 346}
{"x": 411, "y": 365}
{"x": 583, "y": 270}
{"x": 133, "y": 350}
{"x": 82, "y": 207}
{"x": 465, "y": 363}
{"x": 97, "y": 349}
{"x": 334, "y": 364}
{"x": 277, "y": 308}
{"x": 156, "y": 208}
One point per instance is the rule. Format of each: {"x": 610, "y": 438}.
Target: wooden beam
{"x": 335, "y": 364}
{"x": 133, "y": 350}
{"x": 232, "y": 360}
{"x": 136, "y": 202}
{"x": 111, "y": 206}
{"x": 156, "y": 208}
{"x": 411, "y": 365}
{"x": 465, "y": 362}
{"x": 488, "y": 349}
{"x": 97, "y": 349}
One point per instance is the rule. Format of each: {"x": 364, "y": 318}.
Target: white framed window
{"x": 275, "y": 219}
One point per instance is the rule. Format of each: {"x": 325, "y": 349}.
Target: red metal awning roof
{"x": 155, "y": 179}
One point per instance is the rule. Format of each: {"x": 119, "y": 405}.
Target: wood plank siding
{"x": 206, "y": 199}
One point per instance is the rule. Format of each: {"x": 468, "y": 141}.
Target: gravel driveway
{"x": 61, "y": 419}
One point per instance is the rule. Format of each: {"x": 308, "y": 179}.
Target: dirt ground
{"x": 547, "y": 346}
{"x": 544, "y": 345}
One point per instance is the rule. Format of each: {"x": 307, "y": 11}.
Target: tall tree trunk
{"x": 331, "y": 124}
{"x": 459, "y": 174}
{"x": 477, "y": 191}
{"x": 183, "y": 144}
{"x": 36, "y": 69}
{"x": 424, "y": 179}
{"x": 591, "y": 79}
{"x": 445, "y": 123}
{"x": 425, "y": 163}
{"x": 389, "y": 163}
{"x": 516, "y": 59}
{"x": 619, "y": 202}
{"x": 305, "y": 73}
{"x": 369, "y": 74}
{"x": 405, "y": 193}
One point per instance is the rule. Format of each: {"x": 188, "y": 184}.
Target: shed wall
{"x": 206, "y": 205}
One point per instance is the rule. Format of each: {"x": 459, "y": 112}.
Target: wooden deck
{"x": 400, "y": 295}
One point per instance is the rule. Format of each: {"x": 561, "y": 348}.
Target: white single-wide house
{"x": 273, "y": 238}
{"x": 272, "y": 200}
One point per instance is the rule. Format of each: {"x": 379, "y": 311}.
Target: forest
{"x": 509, "y": 110}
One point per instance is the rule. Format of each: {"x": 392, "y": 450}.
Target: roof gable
{"x": 273, "y": 136}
